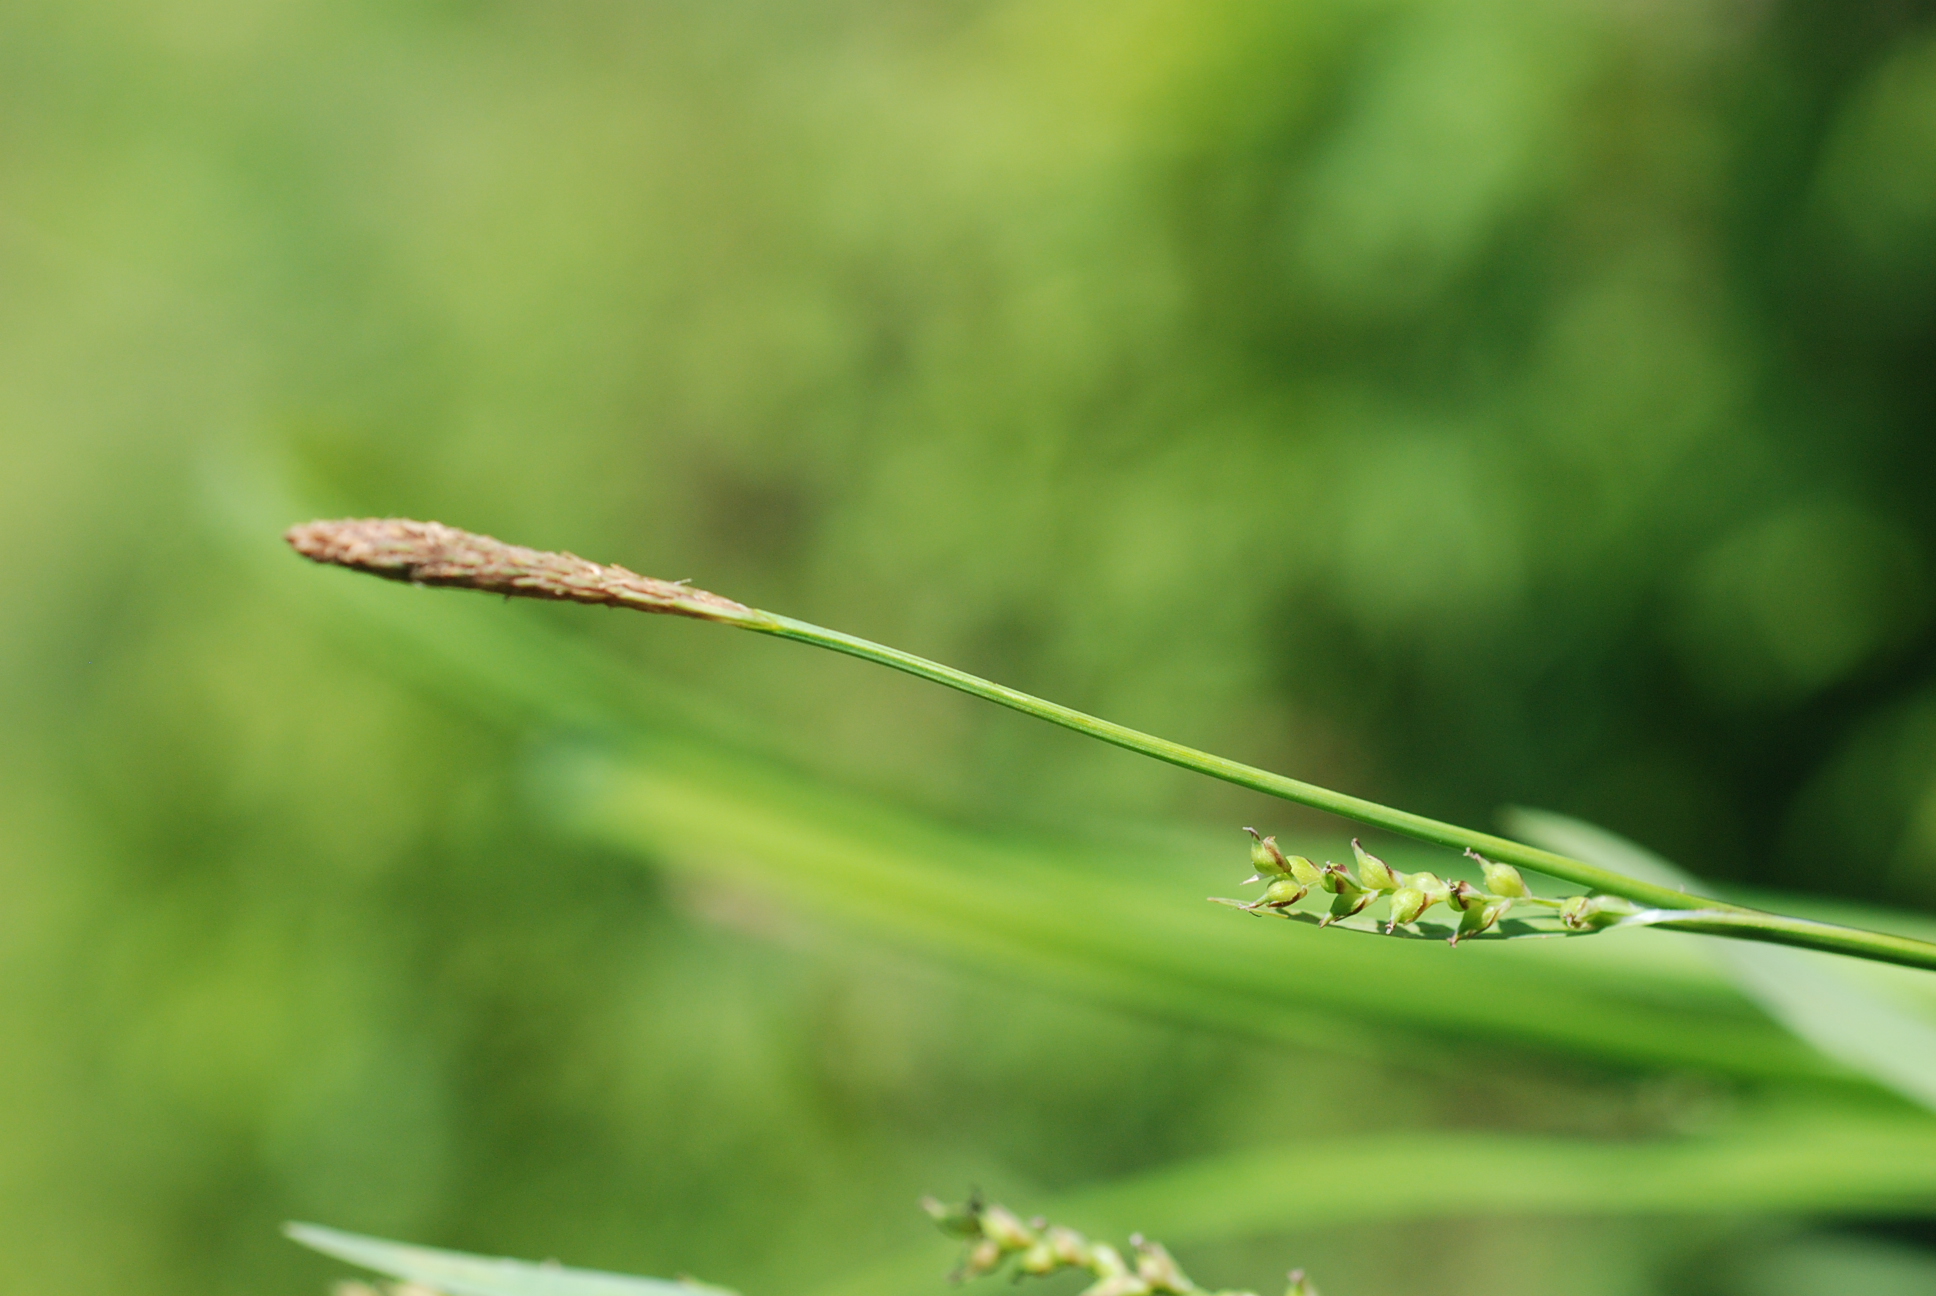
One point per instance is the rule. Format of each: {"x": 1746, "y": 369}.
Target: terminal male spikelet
{"x": 430, "y": 553}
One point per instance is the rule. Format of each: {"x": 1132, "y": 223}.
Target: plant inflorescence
{"x": 997, "y": 1236}
{"x": 1290, "y": 879}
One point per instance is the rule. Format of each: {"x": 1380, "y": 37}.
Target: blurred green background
{"x": 1460, "y": 402}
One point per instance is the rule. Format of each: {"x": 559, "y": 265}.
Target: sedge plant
{"x": 1368, "y": 894}
{"x": 432, "y": 554}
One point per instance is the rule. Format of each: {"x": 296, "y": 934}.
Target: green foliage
{"x": 1454, "y": 401}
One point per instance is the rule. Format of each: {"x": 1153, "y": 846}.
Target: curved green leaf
{"x": 456, "y": 1273}
{"x": 1810, "y": 994}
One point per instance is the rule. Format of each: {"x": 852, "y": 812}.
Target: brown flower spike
{"x": 430, "y": 553}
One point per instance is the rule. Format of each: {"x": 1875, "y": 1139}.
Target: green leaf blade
{"x": 458, "y": 1273}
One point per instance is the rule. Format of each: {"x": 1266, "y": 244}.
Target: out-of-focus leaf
{"x": 1845, "y": 1265}
{"x": 1125, "y": 929}
{"x": 458, "y": 1274}
{"x": 1804, "y": 991}
{"x": 1785, "y": 1158}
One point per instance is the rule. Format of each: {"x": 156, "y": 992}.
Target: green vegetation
{"x": 1460, "y": 404}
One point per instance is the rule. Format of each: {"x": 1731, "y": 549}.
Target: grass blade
{"x": 456, "y": 1273}
{"x": 1138, "y": 936}
{"x": 1808, "y": 993}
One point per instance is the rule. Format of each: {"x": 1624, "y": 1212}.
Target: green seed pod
{"x": 1305, "y": 871}
{"x": 1431, "y": 884}
{"x": 1350, "y": 896}
{"x": 1106, "y": 1262}
{"x": 1375, "y": 874}
{"x": 1416, "y": 893}
{"x": 984, "y": 1257}
{"x": 1039, "y": 1260}
{"x": 1266, "y": 858}
{"x": 1503, "y": 879}
{"x": 1337, "y": 879}
{"x": 1157, "y": 1269}
{"x": 1407, "y": 903}
{"x": 1282, "y": 894}
{"x": 1070, "y": 1247}
{"x": 1000, "y": 1226}
{"x": 1346, "y": 906}
{"x": 1480, "y": 917}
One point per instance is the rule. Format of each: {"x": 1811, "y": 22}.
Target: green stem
{"x": 1715, "y": 917}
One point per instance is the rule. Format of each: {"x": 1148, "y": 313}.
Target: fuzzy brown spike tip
{"x": 430, "y": 553}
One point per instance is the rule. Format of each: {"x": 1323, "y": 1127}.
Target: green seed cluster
{"x": 1290, "y": 878}
{"x": 996, "y": 1235}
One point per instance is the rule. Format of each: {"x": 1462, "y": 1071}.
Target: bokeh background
{"x": 1461, "y": 402}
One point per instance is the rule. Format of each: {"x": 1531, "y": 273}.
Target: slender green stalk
{"x": 428, "y": 553}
